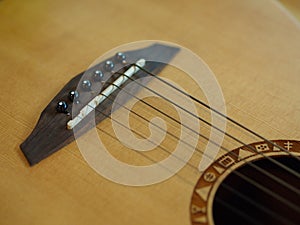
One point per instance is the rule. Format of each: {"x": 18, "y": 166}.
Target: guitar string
{"x": 240, "y": 213}
{"x": 281, "y": 182}
{"x": 196, "y": 168}
{"x": 233, "y": 209}
{"x": 278, "y": 180}
{"x": 254, "y": 203}
{"x": 216, "y": 111}
{"x": 216, "y": 128}
{"x": 264, "y": 209}
{"x": 278, "y": 197}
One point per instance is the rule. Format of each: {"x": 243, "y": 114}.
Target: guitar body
{"x": 253, "y": 48}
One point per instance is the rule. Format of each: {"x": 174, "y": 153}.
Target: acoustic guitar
{"x": 239, "y": 160}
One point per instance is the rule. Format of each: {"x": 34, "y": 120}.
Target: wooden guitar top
{"x": 252, "y": 46}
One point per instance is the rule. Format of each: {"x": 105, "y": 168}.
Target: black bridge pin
{"x": 61, "y": 107}
{"x": 73, "y": 96}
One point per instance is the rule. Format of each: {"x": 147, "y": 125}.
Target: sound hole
{"x": 277, "y": 212}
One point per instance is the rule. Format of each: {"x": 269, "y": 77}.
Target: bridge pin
{"x": 109, "y": 65}
{"x": 86, "y": 85}
{"x": 98, "y": 75}
{"x": 73, "y": 96}
{"x": 61, "y": 107}
{"x": 120, "y": 56}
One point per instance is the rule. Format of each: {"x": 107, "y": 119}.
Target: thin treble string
{"x": 149, "y": 158}
{"x": 216, "y": 111}
{"x": 216, "y": 128}
{"x": 281, "y": 182}
{"x": 233, "y": 209}
{"x": 190, "y": 183}
{"x": 254, "y": 183}
{"x": 144, "y": 137}
{"x": 265, "y": 210}
{"x": 239, "y": 212}
{"x": 278, "y": 180}
{"x": 254, "y": 203}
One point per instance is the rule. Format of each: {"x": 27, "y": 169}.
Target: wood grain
{"x": 252, "y": 47}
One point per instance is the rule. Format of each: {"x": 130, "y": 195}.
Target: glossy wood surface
{"x": 252, "y": 46}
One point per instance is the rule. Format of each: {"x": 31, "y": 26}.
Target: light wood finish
{"x": 293, "y": 6}
{"x": 252, "y": 47}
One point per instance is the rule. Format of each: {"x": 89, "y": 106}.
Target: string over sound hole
{"x": 247, "y": 187}
{"x": 259, "y": 206}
